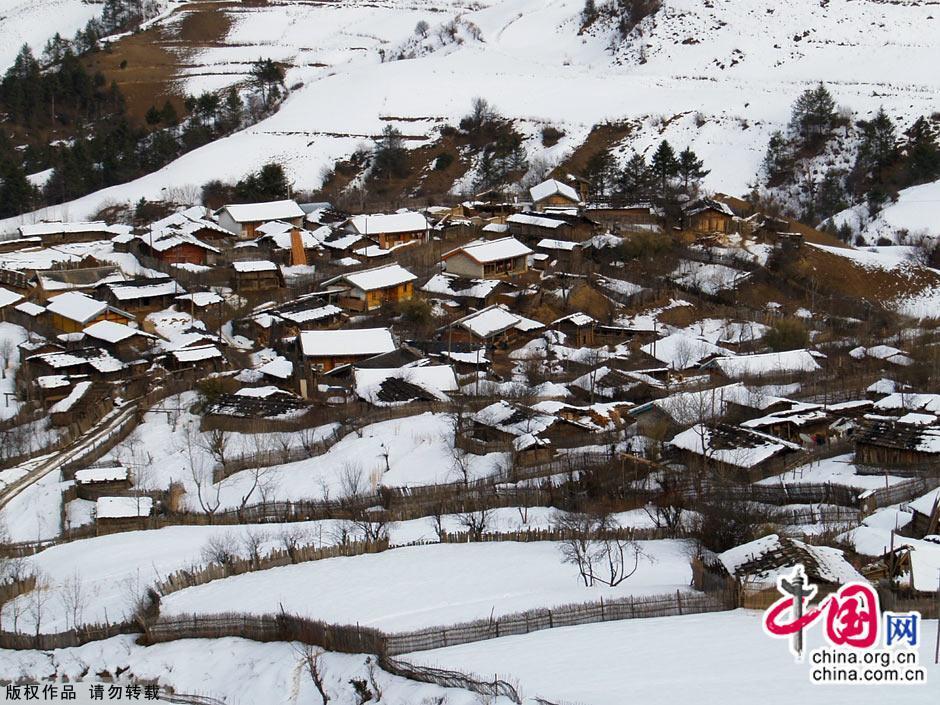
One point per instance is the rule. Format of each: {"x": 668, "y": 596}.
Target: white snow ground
{"x": 721, "y": 657}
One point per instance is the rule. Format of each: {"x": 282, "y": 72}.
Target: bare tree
{"x": 216, "y": 444}
{"x": 576, "y": 546}
{"x": 37, "y": 599}
{"x": 311, "y": 658}
{"x": 252, "y": 541}
{"x": 592, "y": 543}
{"x": 475, "y": 522}
{"x": 292, "y": 538}
{"x": 73, "y": 599}
{"x": 208, "y": 493}
{"x": 218, "y": 550}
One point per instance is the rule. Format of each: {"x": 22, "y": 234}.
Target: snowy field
{"x": 235, "y": 671}
{"x": 423, "y": 586}
{"x": 721, "y": 657}
{"x": 418, "y": 451}
{"x": 723, "y": 97}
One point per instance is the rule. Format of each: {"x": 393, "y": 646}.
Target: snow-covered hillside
{"x": 719, "y": 76}
{"x": 35, "y": 22}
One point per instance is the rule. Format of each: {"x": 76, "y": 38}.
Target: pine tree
{"x": 600, "y": 172}
{"x": 635, "y": 180}
{"x": 168, "y": 114}
{"x": 813, "y": 116}
{"x": 390, "y": 159}
{"x": 776, "y": 165}
{"x": 17, "y": 194}
{"x": 922, "y": 154}
{"x": 878, "y": 147}
{"x": 690, "y": 169}
{"x": 664, "y": 165}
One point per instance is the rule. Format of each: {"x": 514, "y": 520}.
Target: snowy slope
{"x": 35, "y": 22}
{"x": 722, "y": 95}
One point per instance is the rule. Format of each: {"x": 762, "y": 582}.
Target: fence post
{"x": 678, "y": 602}
{"x": 602, "y": 609}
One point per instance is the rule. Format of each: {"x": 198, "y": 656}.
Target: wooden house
{"x": 60, "y": 233}
{"x": 142, "y": 296}
{"x": 632, "y": 217}
{"x": 102, "y": 481}
{"x": 904, "y": 447}
{"x": 488, "y": 259}
{"x": 49, "y": 282}
{"x": 755, "y": 566}
{"x": 72, "y": 311}
{"x": 554, "y": 195}
{"x": 122, "y": 341}
{"x": 255, "y": 275}
{"x": 115, "y": 514}
{"x": 925, "y": 511}
{"x": 533, "y": 227}
{"x": 369, "y": 289}
{"x": 707, "y": 216}
{"x": 468, "y": 292}
{"x": 390, "y": 231}
{"x": 242, "y": 219}
{"x": 8, "y": 299}
{"x": 493, "y": 325}
{"x": 323, "y": 350}
{"x": 734, "y": 452}
{"x": 578, "y": 329}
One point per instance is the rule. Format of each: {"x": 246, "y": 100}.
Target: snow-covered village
{"x": 470, "y": 353}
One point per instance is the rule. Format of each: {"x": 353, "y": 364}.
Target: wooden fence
{"x": 449, "y": 679}
{"x": 356, "y": 639}
{"x": 677, "y": 603}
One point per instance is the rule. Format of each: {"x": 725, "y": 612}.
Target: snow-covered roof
{"x": 29, "y": 308}
{"x": 376, "y": 278}
{"x": 270, "y": 210}
{"x": 110, "y": 473}
{"x": 8, "y": 297}
{"x": 453, "y": 285}
{"x": 564, "y": 245}
{"x": 311, "y": 314}
{"x": 552, "y": 187}
{"x": 123, "y": 507}
{"x": 389, "y": 386}
{"x": 201, "y": 298}
{"x": 196, "y": 354}
{"x": 739, "y": 447}
{"x": 124, "y": 292}
{"x": 258, "y": 265}
{"x": 766, "y": 364}
{"x": 485, "y": 251}
{"x": 379, "y": 223}
{"x": 908, "y": 401}
{"x": 113, "y": 332}
{"x": 763, "y": 560}
{"x": 76, "y": 306}
{"x": 515, "y": 420}
{"x": 681, "y": 351}
{"x": 74, "y": 396}
{"x": 537, "y": 221}
{"x": 60, "y": 228}
{"x": 495, "y": 319}
{"x": 578, "y": 319}
{"x": 280, "y": 367}
{"x": 925, "y": 503}
{"x": 347, "y": 342}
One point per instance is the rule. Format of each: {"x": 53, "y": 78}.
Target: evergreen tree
{"x": 168, "y": 114}
{"x": 922, "y": 154}
{"x": 268, "y": 184}
{"x": 664, "y": 166}
{"x": 813, "y": 117}
{"x": 600, "y": 171}
{"x": 878, "y": 147}
{"x": 153, "y": 116}
{"x": 635, "y": 180}
{"x": 267, "y": 76}
{"x": 690, "y": 169}
{"x": 17, "y": 194}
{"x": 776, "y": 165}
{"x": 390, "y": 159}
{"x": 830, "y": 196}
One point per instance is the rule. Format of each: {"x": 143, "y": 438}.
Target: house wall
{"x": 710, "y": 222}
{"x": 227, "y": 222}
{"x": 389, "y": 240}
{"x": 463, "y": 266}
{"x": 184, "y": 253}
{"x": 555, "y": 200}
